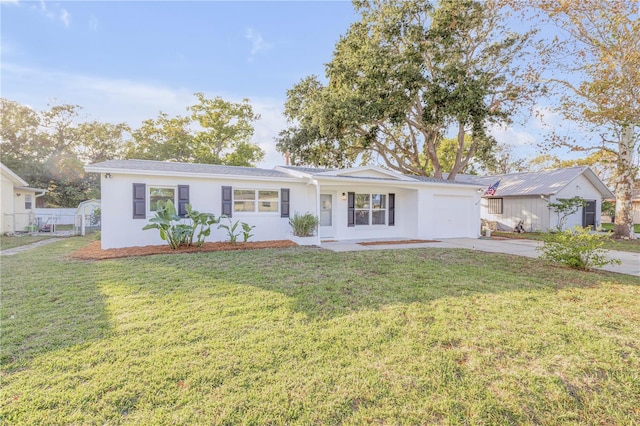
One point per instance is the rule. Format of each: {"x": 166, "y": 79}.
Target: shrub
{"x": 577, "y": 248}
{"x": 303, "y": 225}
{"x": 178, "y": 232}
{"x": 232, "y": 230}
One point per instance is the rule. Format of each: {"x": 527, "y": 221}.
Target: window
{"x": 28, "y": 200}
{"x": 371, "y": 209}
{"x": 495, "y": 205}
{"x": 158, "y": 197}
{"x": 255, "y": 200}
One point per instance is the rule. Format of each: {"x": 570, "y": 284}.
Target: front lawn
{"x": 11, "y": 241}
{"x": 609, "y": 243}
{"x": 307, "y": 336}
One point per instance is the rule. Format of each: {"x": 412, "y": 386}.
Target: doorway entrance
{"x": 327, "y": 229}
{"x": 589, "y": 214}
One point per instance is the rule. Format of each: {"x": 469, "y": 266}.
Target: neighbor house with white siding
{"x": 17, "y": 202}
{"x": 526, "y": 196}
{"x": 356, "y": 203}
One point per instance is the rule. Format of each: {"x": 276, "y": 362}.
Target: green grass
{"x": 609, "y": 227}
{"x": 307, "y": 336}
{"x": 609, "y": 243}
{"x": 11, "y": 241}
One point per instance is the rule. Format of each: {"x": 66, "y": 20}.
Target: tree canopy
{"x": 403, "y": 77}
{"x": 49, "y": 148}
{"x": 599, "y": 57}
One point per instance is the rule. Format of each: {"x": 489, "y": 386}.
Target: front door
{"x": 589, "y": 214}
{"x": 326, "y": 216}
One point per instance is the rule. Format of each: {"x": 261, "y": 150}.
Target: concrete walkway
{"x": 20, "y": 249}
{"x": 630, "y": 261}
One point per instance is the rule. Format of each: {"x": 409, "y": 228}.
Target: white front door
{"x": 326, "y": 216}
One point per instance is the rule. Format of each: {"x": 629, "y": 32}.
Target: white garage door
{"x": 454, "y": 217}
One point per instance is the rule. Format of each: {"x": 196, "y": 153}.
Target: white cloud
{"x": 512, "y": 137}
{"x": 258, "y": 44}
{"x": 93, "y": 23}
{"x": 65, "y": 17}
{"x": 545, "y": 117}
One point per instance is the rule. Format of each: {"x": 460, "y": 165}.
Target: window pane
{"x": 268, "y": 206}
{"x": 158, "y": 197}
{"x": 379, "y": 201}
{"x": 362, "y": 217}
{"x": 379, "y": 217}
{"x": 244, "y": 206}
{"x": 362, "y": 201}
{"x": 244, "y": 194}
{"x": 268, "y": 196}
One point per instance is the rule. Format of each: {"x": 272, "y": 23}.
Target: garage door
{"x": 454, "y": 217}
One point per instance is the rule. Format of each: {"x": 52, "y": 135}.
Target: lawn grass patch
{"x": 309, "y": 336}
{"x": 11, "y": 241}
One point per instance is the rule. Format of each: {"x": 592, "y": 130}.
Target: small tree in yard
{"x": 565, "y": 208}
{"x": 577, "y": 248}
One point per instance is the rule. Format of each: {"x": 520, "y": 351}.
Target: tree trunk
{"x": 624, "y": 186}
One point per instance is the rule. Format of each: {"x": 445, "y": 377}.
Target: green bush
{"x": 232, "y": 230}
{"x": 577, "y": 248}
{"x": 178, "y": 232}
{"x": 303, "y": 225}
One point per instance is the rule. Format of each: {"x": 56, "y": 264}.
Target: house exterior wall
{"x": 119, "y": 229}
{"x": 532, "y": 209}
{"x": 6, "y": 205}
{"x": 23, "y": 216}
{"x": 535, "y": 211}
{"x": 579, "y": 187}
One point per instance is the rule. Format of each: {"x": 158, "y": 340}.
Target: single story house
{"x": 356, "y": 203}
{"x": 17, "y": 202}
{"x": 526, "y": 196}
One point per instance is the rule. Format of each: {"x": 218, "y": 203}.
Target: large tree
{"x": 403, "y": 77}
{"x": 216, "y": 132}
{"x": 599, "y": 52}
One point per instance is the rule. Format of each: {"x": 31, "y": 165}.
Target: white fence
{"x": 56, "y": 216}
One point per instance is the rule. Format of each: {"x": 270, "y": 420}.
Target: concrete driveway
{"x": 630, "y": 261}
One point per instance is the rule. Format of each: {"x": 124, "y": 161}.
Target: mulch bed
{"x": 93, "y": 251}
{"x": 384, "y": 243}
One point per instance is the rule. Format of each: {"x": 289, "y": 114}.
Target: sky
{"x": 126, "y": 61}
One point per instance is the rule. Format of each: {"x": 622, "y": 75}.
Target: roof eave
{"x": 138, "y": 172}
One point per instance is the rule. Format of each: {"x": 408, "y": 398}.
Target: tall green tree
{"x": 600, "y": 55}
{"x": 405, "y": 75}
{"x": 216, "y": 132}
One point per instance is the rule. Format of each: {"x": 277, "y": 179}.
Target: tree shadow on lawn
{"x": 325, "y": 284}
{"x": 48, "y": 303}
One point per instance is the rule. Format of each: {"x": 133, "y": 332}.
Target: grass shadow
{"x": 49, "y": 303}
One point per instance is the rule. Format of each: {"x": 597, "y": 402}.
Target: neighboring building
{"x": 526, "y": 197}
{"x": 17, "y": 202}
{"x": 356, "y": 203}
{"x": 635, "y": 206}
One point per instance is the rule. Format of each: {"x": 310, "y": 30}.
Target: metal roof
{"x": 190, "y": 168}
{"x": 547, "y": 182}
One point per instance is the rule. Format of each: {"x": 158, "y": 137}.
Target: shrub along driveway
{"x": 309, "y": 336}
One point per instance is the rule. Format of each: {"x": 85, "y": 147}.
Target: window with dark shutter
{"x": 392, "y": 209}
{"x": 227, "y": 201}
{"x": 284, "y": 202}
{"x": 139, "y": 201}
{"x": 183, "y": 199}
{"x": 351, "y": 209}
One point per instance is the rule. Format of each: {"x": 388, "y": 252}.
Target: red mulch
{"x": 383, "y": 243}
{"x": 93, "y": 251}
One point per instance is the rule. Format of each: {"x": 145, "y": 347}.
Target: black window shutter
{"x": 284, "y": 202}
{"x": 139, "y": 201}
{"x": 392, "y": 209}
{"x": 183, "y": 199}
{"x": 227, "y": 201}
{"x": 351, "y": 211}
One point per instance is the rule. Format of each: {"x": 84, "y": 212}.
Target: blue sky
{"x": 127, "y": 61}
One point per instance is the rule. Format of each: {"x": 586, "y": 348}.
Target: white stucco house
{"x": 526, "y": 197}
{"x": 356, "y": 203}
{"x": 17, "y": 202}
